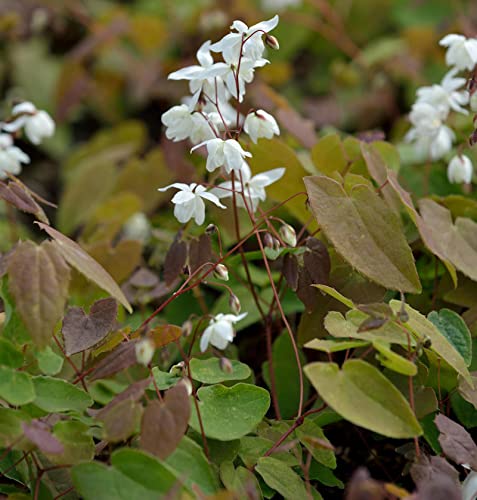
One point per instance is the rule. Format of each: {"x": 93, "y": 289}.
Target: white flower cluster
{"x": 208, "y": 119}
{"x": 36, "y": 124}
{"x": 432, "y": 138}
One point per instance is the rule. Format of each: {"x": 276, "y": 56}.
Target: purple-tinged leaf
{"x": 39, "y": 434}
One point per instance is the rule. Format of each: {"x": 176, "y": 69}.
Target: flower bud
{"x": 211, "y": 229}
{"x": 288, "y": 235}
{"x": 276, "y": 244}
{"x": 226, "y": 365}
{"x": 221, "y": 272}
{"x": 145, "y": 351}
{"x": 234, "y": 304}
{"x": 178, "y": 369}
{"x": 272, "y": 42}
{"x": 187, "y": 384}
{"x": 187, "y": 328}
{"x": 473, "y": 102}
{"x": 460, "y": 169}
{"x": 268, "y": 240}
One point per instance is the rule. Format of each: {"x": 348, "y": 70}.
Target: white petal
{"x": 265, "y": 26}
{"x": 211, "y": 197}
{"x": 24, "y": 107}
{"x": 204, "y": 340}
{"x": 199, "y": 211}
{"x": 178, "y": 185}
{"x": 183, "y": 197}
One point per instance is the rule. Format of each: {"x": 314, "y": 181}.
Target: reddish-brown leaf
{"x": 39, "y": 434}
{"x": 165, "y": 334}
{"x": 165, "y": 422}
{"x": 38, "y": 281}
{"x": 121, "y": 420}
{"x": 456, "y": 442}
{"x": 427, "y": 469}
{"x": 121, "y": 358}
{"x": 82, "y": 331}
{"x": 175, "y": 260}
{"x": 86, "y": 265}
{"x": 200, "y": 252}
{"x": 18, "y": 195}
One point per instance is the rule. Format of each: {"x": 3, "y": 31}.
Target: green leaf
{"x": 274, "y": 153}
{"x": 9, "y": 354}
{"x": 330, "y": 346}
{"x": 164, "y": 380}
{"x": 423, "y": 330}
{"x": 49, "y": 362}
{"x": 365, "y": 232}
{"x": 281, "y": 478}
{"x": 336, "y": 295}
{"x": 38, "y": 279}
{"x": 321, "y": 454}
{"x": 329, "y": 155}
{"x": 56, "y": 395}
{"x": 190, "y": 464}
{"x": 230, "y": 412}
{"x": 77, "y": 443}
{"x": 390, "y": 359}
{"x": 16, "y": 387}
{"x": 286, "y": 373}
{"x": 364, "y": 396}
{"x": 208, "y": 371}
{"x": 11, "y": 426}
{"x": 453, "y": 327}
{"x": 145, "y": 470}
{"x": 254, "y": 447}
{"x": 13, "y": 327}
{"x": 86, "y": 265}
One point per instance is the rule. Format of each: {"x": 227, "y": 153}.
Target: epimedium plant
{"x": 106, "y": 394}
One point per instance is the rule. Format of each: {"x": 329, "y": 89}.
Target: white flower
{"x": 461, "y": 51}
{"x": 431, "y": 137}
{"x": 11, "y": 157}
{"x": 220, "y": 331}
{"x": 469, "y": 487}
{"x": 137, "y": 227}
{"x": 260, "y": 124}
{"x": 253, "y": 45}
{"x": 460, "y": 169}
{"x": 202, "y": 77}
{"x": 228, "y": 154}
{"x": 189, "y": 202}
{"x": 183, "y": 124}
{"x": 37, "y": 124}
{"x": 245, "y": 75}
{"x": 254, "y": 187}
{"x": 144, "y": 351}
{"x": 446, "y": 96}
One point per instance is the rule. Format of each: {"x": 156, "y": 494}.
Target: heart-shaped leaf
{"x": 165, "y": 422}
{"x": 230, "y": 412}
{"x": 82, "y": 331}
{"x": 360, "y": 393}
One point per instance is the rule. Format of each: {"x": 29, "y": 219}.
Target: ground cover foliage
{"x": 297, "y": 319}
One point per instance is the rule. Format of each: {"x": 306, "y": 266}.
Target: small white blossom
{"x": 460, "y": 169}
{"x": 446, "y": 96}
{"x": 252, "y": 39}
{"x": 277, "y": 5}
{"x": 137, "y": 227}
{"x": 203, "y": 77}
{"x": 254, "y": 187}
{"x": 245, "y": 75}
{"x": 189, "y": 202}
{"x": 228, "y": 154}
{"x": 431, "y": 137}
{"x": 220, "y": 331}
{"x": 11, "y": 157}
{"x": 37, "y": 124}
{"x": 183, "y": 124}
{"x": 260, "y": 124}
{"x": 461, "y": 51}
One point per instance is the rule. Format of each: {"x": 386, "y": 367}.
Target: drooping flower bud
{"x": 226, "y": 365}
{"x": 145, "y": 349}
{"x": 460, "y": 169}
{"x": 187, "y": 328}
{"x": 272, "y": 42}
{"x": 276, "y": 244}
{"x": 178, "y": 369}
{"x": 187, "y": 384}
{"x": 211, "y": 229}
{"x": 288, "y": 235}
{"x": 221, "y": 272}
{"x": 268, "y": 240}
{"x": 234, "y": 304}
